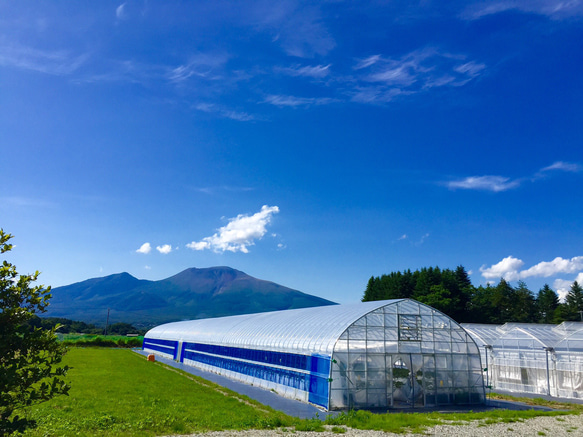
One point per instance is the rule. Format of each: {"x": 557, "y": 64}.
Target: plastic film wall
{"x": 532, "y": 358}
{"x": 405, "y": 355}
{"x": 386, "y": 354}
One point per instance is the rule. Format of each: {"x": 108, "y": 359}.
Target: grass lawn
{"x": 116, "y": 392}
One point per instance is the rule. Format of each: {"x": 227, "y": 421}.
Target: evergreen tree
{"x": 523, "y": 305}
{"x": 574, "y": 302}
{"x": 502, "y": 299}
{"x": 547, "y": 303}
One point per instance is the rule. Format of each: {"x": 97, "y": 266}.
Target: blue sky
{"x": 311, "y": 144}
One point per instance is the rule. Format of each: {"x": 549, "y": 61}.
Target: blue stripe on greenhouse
{"x": 294, "y": 361}
{"x": 315, "y": 385}
{"x": 165, "y": 346}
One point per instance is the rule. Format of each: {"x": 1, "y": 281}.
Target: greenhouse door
{"x": 405, "y": 388}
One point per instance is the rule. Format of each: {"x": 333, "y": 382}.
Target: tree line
{"x": 452, "y": 292}
{"x": 67, "y": 326}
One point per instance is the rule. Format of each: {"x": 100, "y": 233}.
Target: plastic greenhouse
{"x": 385, "y": 354}
{"x": 532, "y": 358}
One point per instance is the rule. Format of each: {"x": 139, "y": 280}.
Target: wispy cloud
{"x": 202, "y": 65}
{"x": 563, "y": 166}
{"x": 299, "y": 29}
{"x": 367, "y": 62}
{"x": 120, "y": 12}
{"x": 503, "y": 183}
{"x": 316, "y": 71}
{"x": 145, "y": 248}
{"x": 293, "y": 101}
{"x": 213, "y": 108}
{"x": 485, "y": 183}
{"x": 56, "y": 62}
{"x": 380, "y": 79}
{"x": 17, "y": 201}
{"x": 227, "y": 188}
{"x": 555, "y": 9}
{"x": 240, "y": 233}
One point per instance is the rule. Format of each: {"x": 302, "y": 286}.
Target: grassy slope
{"x": 115, "y": 392}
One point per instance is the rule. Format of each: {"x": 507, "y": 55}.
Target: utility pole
{"x": 107, "y": 321}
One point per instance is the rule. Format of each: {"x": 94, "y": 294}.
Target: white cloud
{"x": 240, "y": 233}
{"x": 563, "y": 166}
{"x": 224, "y": 112}
{"x": 57, "y": 63}
{"x": 502, "y": 183}
{"x": 556, "y": 9}
{"x": 367, "y": 62}
{"x": 144, "y": 248}
{"x": 485, "y": 183}
{"x": 164, "y": 249}
{"x": 380, "y": 78}
{"x": 507, "y": 269}
{"x": 316, "y": 72}
{"x": 201, "y": 65}
{"x": 562, "y": 286}
{"x": 292, "y": 101}
{"x": 550, "y": 268}
{"x": 402, "y": 237}
{"x": 422, "y": 240}
{"x": 120, "y": 11}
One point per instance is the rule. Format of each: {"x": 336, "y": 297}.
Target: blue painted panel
{"x": 316, "y": 385}
{"x": 166, "y": 346}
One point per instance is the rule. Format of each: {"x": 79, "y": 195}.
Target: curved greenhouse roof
{"x": 384, "y": 354}
{"x": 311, "y": 330}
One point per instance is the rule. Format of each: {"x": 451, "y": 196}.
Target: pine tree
{"x": 574, "y": 302}
{"x": 547, "y": 303}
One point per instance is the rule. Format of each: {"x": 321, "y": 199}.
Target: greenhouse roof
{"x": 302, "y": 330}
{"x": 538, "y": 335}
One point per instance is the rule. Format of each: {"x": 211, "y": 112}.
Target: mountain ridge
{"x": 190, "y": 294}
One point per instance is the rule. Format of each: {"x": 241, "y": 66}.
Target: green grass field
{"x": 116, "y": 392}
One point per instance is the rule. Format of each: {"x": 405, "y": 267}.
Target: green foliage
{"x": 574, "y": 302}
{"x": 446, "y": 290}
{"x": 452, "y": 292}
{"x": 547, "y": 303}
{"x": 29, "y": 358}
{"x": 72, "y": 340}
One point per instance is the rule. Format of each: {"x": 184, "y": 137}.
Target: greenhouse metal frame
{"x": 385, "y": 354}
{"x": 532, "y": 358}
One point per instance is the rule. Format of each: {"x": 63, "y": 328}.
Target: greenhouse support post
{"x": 547, "y": 350}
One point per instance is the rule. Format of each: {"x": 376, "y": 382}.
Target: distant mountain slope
{"x": 191, "y": 294}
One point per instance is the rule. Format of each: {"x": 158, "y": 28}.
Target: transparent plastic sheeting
{"x": 384, "y": 354}
{"x": 532, "y": 358}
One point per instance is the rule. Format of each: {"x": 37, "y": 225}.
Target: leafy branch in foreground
{"x": 28, "y": 356}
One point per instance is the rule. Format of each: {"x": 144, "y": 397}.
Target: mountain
{"x": 191, "y": 294}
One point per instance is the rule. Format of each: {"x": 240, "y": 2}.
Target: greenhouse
{"x": 385, "y": 354}
{"x": 532, "y": 358}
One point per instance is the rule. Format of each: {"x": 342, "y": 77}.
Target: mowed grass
{"x": 116, "y": 392}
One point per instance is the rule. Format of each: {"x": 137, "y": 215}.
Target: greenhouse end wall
{"x": 387, "y": 354}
